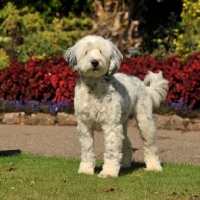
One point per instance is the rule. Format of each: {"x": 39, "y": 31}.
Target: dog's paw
{"x": 86, "y": 171}
{"x": 86, "y": 168}
{"x": 157, "y": 168}
{"x": 153, "y": 164}
{"x": 107, "y": 174}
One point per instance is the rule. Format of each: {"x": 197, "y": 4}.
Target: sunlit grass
{"x": 35, "y": 177}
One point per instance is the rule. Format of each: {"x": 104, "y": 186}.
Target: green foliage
{"x": 4, "y": 59}
{"x": 46, "y": 43}
{"x": 32, "y": 36}
{"x": 8, "y": 18}
{"x": 13, "y": 20}
{"x": 188, "y": 36}
{"x": 50, "y": 8}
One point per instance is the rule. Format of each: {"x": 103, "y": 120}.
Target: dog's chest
{"x": 93, "y": 104}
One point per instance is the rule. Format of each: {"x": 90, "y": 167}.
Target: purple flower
{"x": 33, "y": 106}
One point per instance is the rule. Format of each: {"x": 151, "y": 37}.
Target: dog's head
{"x": 94, "y": 56}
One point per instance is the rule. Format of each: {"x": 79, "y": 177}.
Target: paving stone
{"x": 31, "y": 120}
{"x": 11, "y": 118}
{"x": 65, "y": 119}
{"x": 174, "y": 122}
{"x": 45, "y": 119}
{"x": 170, "y": 122}
{"x": 160, "y": 120}
{"x": 194, "y": 127}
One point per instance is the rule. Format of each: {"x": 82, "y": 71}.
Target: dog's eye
{"x": 86, "y": 52}
{"x": 100, "y": 51}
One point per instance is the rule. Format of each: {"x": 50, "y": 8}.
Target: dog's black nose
{"x": 95, "y": 63}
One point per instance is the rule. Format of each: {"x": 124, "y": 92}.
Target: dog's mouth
{"x": 94, "y": 69}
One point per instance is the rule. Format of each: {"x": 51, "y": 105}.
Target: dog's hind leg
{"x": 87, "y": 149}
{"x": 126, "y": 150}
{"x": 113, "y": 150}
{"x": 143, "y": 114}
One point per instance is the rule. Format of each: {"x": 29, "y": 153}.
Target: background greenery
{"x": 26, "y": 34}
{"x": 188, "y": 34}
{"x": 44, "y": 29}
{"x": 49, "y": 8}
{"x": 161, "y": 28}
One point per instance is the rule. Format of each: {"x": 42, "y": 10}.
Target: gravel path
{"x": 174, "y": 146}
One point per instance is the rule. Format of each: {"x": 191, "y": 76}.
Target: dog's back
{"x": 154, "y": 83}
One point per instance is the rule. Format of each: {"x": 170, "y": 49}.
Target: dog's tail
{"x": 157, "y": 87}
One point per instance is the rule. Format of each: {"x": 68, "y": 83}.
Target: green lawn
{"x": 24, "y": 177}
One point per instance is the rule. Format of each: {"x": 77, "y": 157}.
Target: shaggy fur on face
{"x": 105, "y": 100}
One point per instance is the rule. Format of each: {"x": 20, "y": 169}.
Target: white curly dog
{"x": 105, "y": 100}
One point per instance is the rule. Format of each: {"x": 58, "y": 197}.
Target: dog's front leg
{"x": 113, "y": 150}
{"x": 87, "y": 148}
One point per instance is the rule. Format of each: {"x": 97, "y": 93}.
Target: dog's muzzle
{"x": 95, "y": 64}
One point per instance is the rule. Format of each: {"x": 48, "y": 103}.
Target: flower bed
{"x": 33, "y": 106}
{"x": 51, "y": 80}
{"x": 184, "y": 77}
{"x": 41, "y": 80}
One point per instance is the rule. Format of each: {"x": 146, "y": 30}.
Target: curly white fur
{"x": 105, "y": 100}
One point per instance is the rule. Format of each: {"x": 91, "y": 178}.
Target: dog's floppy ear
{"x": 70, "y": 57}
{"x": 115, "y": 59}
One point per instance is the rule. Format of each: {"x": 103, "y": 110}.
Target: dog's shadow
{"x": 134, "y": 166}
{"x": 125, "y": 171}
{"x": 13, "y": 152}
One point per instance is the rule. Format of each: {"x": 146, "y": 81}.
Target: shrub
{"x": 47, "y": 80}
{"x": 30, "y": 36}
{"x": 19, "y": 21}
{"x": 52, "y": 79}
{"x": 45, "y": 44}
{"x": 60, "y": 35}
{"x": 4, "y": 59}
{"x": 50, "y": 8}
{"x": 188, "y": 36}
{"x": 184, "y": 77}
